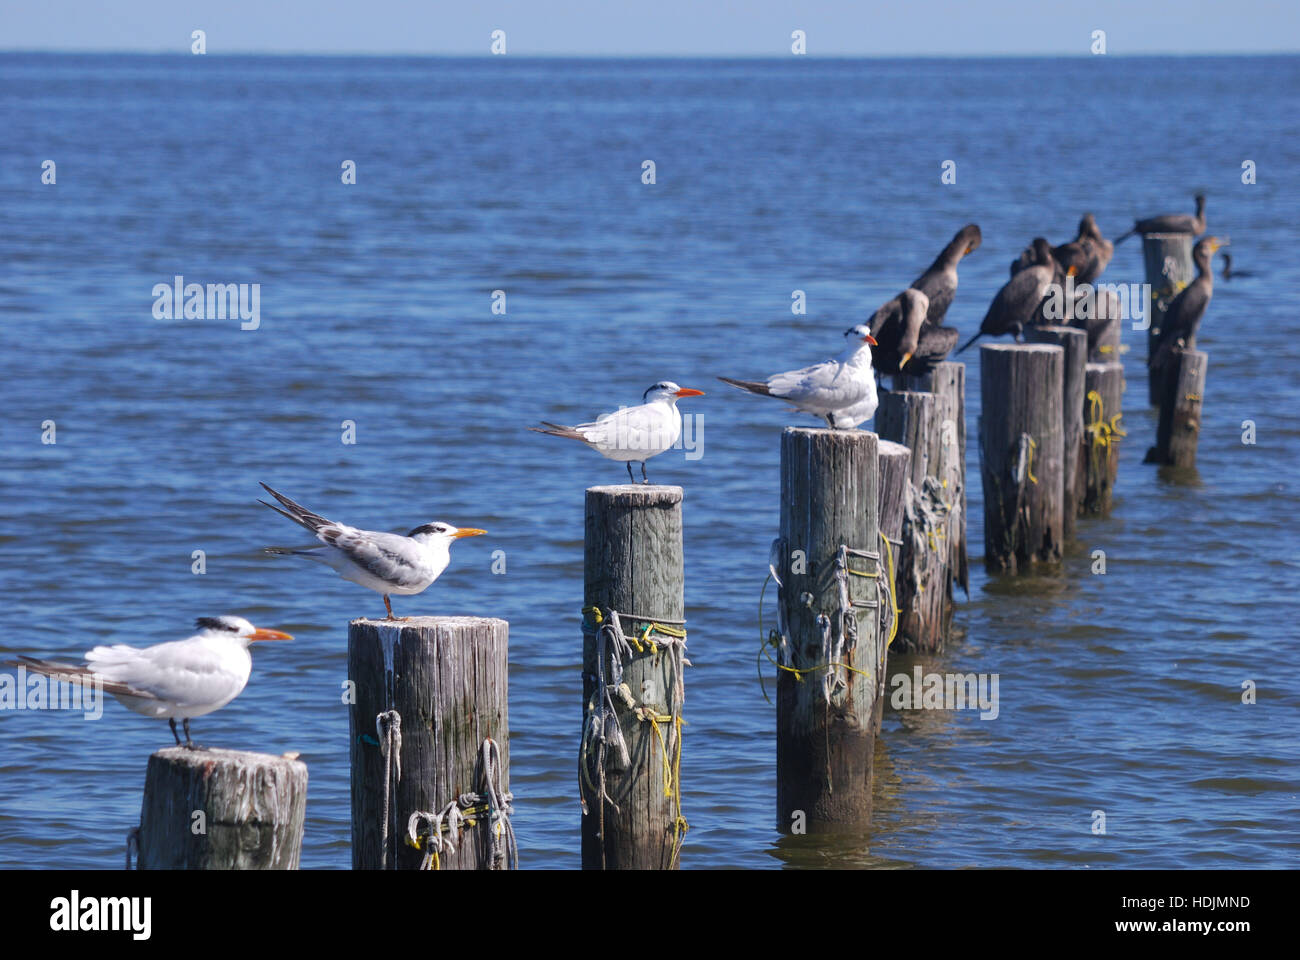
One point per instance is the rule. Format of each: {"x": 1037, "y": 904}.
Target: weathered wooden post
{"x": 1022, "y": 453}
{"x": 1105, "y": 338}
{"x": 1169, "y": 268}
{"x": 1075, "y": 344}
{"x": 1103, "y": 393}
{"x": 924, "y": 423}
{"x": 222, "y": 810}
{"x": 633, "y": 656}
{"x": 830, "y": 596}
{"x": 1179, "y": 428}
{"x": 429, "y": 738}
{"x": 894, "y": 462}
{"x": 947, "y": 380}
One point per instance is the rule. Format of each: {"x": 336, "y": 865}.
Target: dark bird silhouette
{"x": 1171, "y": 223}
{"x": 939, "y": 282}
{"x": 907, "y": 340}
{"x": 1020, "y": 299}
{"x": 1229, "y": 272}
{"x": 1183, "y": 316}
{"x": 1089, "y": 253}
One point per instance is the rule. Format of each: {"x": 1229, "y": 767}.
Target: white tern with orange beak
{"x": 840, "y": 391}
{"x": 633, "y": 433}
{"x": 387, "y": 563}
{"x": 182, "y": 678}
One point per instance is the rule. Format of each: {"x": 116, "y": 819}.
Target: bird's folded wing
{"x": 82, "y": 676}
{"x": 183, "y": 671}
{"x": 388, "y": 556}
{"x": 828, "y": 383}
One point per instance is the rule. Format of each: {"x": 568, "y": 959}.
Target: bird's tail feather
{"x": 969, "y": 342}
{"x": 751, "y": 386}
{"x": 1124, "y": 236}
{"x": 72, "y": 674}
{"x": 558, "y": 430}
{"x": 295, "y": 511}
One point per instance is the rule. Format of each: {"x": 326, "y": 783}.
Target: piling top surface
{"x": 1022, "y": 347}
{"x": 854, "y": 432}
{"x": 195, "y": 758}
{"x": 1056, "y": 328}
{"x": 890, "y": 448}
{"x": 424, "y": 623}
{"x": 650, "y": 492}
{"x": 1099, "y": 367}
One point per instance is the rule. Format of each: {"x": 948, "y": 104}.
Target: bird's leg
{"x": 630, "y": 477}
{"x": 389, "y": 607}
{"x": 644, "y": 478}
{"x": 189, "y": 744}
{"x": 172, "y": 722}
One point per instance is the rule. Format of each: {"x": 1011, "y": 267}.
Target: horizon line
{"x": 433, "y": 55}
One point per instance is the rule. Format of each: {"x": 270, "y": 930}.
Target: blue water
{"x": 1119, "y": 693}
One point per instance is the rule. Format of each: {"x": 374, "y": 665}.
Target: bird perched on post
{"x": 386, "y": 563}
{"x": 1171, "y": 223}
{"x": 633, "y": 433}
{"x": 905, "y": 338}
{"x": 1018, "y": 303}
{"x": 182, "y": 678}
{"x": 841, "y": 391}
{"x": 1089, "y": 253}
{"x": 1183, "y": 315}
{"x": 939, "y": 281}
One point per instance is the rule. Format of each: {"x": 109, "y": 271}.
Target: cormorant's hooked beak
{"x": 902, "y": 363}
{"x": 259, "y": 634}
{"x": 468, "y": 532}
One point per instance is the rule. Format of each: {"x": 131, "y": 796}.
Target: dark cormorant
{"x": 1229, "y": 273}
{"x": 939, "y": 282}
{"x": 1183, "y": 316}
{"x": 1089, "y": 253}
{"x": 907, "y": 340}
{"x": 1172, "y": 223}
{"x": 1019, "y": 301}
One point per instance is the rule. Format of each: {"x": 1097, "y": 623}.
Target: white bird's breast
{"x": 187, "y": 678}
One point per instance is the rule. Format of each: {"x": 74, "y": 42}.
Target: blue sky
{"x": 655, "y": 27}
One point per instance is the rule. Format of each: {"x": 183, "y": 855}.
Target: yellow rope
{"x": 1029, "y": 467}
{"x": 893, "y": 592}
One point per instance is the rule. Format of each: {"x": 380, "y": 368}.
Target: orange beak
{"x": 688, "y": 392}
{"x": 1072, "y": 271}
{"x": 870, "y": 339}
{"x": 260, "y": 634}
{"x": 468, "y": 532}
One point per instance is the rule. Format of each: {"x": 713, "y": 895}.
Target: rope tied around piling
{"x": 1102, "y": 433}
{"x": 601, "y": 728}
{"x": 388, "y": 727}
{"x": 442, "y": 829}
{"x": 834, "y": 645}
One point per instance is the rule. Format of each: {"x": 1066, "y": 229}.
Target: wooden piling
{"x": 894, "y": 463}
{"x": 1168, "y": 261}
{"x": 427, "y": 693}
{"x": 830, "y": 568}
{"x": 1075, "y": 344}
{"x": 1105, "y": 345}
{"x": 633, "y": 657}
{"x": 925, "y": 574}
{"x": 1179, "y": 427}
{"x": 947, "y": 380}
{"x": 222, "y": 810}
{"x": 1102, "y": 433}
{"x": 1022, "y": 453}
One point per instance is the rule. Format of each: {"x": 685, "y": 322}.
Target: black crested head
{"x": 216, "y": 623}
{"x": 431, "y": 528}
